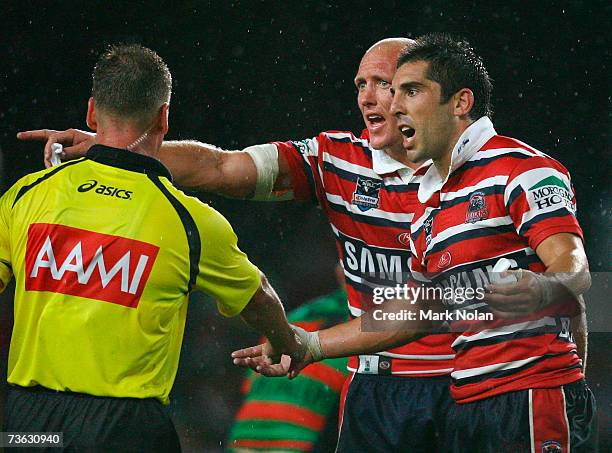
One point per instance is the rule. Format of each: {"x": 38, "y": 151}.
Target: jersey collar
{"x": 472, "y": 139}
{"x": 383, "y": 164}
{"x": 123, "y": 158}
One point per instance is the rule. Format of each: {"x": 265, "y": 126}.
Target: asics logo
{"x": 105, "y": 190}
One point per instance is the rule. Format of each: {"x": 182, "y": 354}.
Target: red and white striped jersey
{"x": 369, "y": 199}
{"x": 502, "y": 198}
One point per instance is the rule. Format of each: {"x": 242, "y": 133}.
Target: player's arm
{"x": 567, "y": 274}
{"x": 265, "y": 314}
{"x": 341, "y": 340}
{"x": 258, "y": 171}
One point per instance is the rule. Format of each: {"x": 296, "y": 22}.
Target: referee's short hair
{"x": 131, "y": 82}
{"x": 454, "y": 65}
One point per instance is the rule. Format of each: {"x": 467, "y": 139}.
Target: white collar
{"x": 382, "y": 163}
{"x": 472, "y": 139}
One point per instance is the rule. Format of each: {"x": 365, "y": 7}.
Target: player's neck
{"x": 401, "y": 156}
{"x": 444, "y": 160}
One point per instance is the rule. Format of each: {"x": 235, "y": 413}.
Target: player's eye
{"x": 384, "y": 84}
{"x": 360, "y": 85}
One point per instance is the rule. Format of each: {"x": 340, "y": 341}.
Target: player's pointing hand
{"x": 76, "y": 142}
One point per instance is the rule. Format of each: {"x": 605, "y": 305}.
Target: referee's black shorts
{"x": 91, "y": 423}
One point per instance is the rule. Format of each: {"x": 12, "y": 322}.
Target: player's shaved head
{"x": 391, "y": 43}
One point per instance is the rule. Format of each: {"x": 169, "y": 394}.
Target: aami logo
{"x": 102, "y": 189}
{"x": 83, "y": 263}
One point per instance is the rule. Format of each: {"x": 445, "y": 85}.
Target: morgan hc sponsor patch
{"x": 84, "y": 263}
{"x": 551, "y": 192}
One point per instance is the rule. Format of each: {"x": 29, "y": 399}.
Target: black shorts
{"x": 91, "y": 423}
{"x": 555, "y": 420}
{"x": 393, "y": 414}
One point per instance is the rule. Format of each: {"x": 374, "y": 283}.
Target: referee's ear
{"x": 91, "y": 121}
{"x": 164, "y": 113}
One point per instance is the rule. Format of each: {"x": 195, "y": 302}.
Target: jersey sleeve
{"x": 540, "y": 199}
{"x": 6, "y": 205}
{"x": 302, "y": 156}
{"x": 225, "y": 272}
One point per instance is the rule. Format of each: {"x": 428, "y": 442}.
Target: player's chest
{"x": 458, "y": 227}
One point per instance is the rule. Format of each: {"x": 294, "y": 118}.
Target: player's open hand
{"x": 261, "y": 358}
{"x": 516, "y": 299}
{"x": 76, "y": 142}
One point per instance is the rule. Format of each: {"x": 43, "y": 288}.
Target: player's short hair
{"x": 132, "y": 82}
{"x": 454, "y": 65}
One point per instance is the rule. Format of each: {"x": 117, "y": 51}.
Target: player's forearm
{"x": 349, "y": 338}
{"x": 265, "y": 314}
{"x": 567, "y": 268}
{"x": 571, "y": 271}
{"x": 205, "y": 167}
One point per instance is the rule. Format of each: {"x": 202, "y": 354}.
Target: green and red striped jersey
{"x": 283, "y": 415}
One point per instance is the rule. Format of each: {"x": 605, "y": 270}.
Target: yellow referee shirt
{"x": 105, "y": 251}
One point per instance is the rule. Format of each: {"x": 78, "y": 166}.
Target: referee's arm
{"x": 265, "y": 314}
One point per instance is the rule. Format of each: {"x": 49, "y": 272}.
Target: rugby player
{"x": 105, "y": 252}
{"x": 396, "y": 399}
{"x": 518, "y": 381}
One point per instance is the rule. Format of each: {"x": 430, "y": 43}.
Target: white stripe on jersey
{"x": 527, "y": 251}
{"x": 417, "y": 357}
{"x": 458, "y": 229}
{"x": 350, "y": 167}
{"x": 498, "y": 180}
{"x": 470, "y": 372}
{"x": 399, "y": 217}
{"x": 337, "y": 233}
{"x": 358, "y": 279}
{"x": 398, "y": 181}
{"x": 442, "y": 370}
{"x": 356, "y": 312}
{"x": 500, "y": 151}
{"x": 504, "y": 330}
{"x": 351, "y": 137}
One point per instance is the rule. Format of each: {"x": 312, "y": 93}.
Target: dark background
{"x": 248, "y": 72}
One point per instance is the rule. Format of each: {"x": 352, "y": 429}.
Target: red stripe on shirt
{"x": 289, "y": 413}
{"x": 301, "y": 445}
{"x": 329, "y": 376}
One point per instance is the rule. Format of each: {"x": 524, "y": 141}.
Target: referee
{"x": 105, "y": 252}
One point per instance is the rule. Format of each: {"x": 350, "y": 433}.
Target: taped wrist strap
{"x": 311, "y": 341}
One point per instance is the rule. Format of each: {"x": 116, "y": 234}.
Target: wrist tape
{"x": 311, "y": 341}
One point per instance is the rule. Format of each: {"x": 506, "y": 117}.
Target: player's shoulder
{"x": 345, "y": 137}
{"x": 511, "y": 155}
